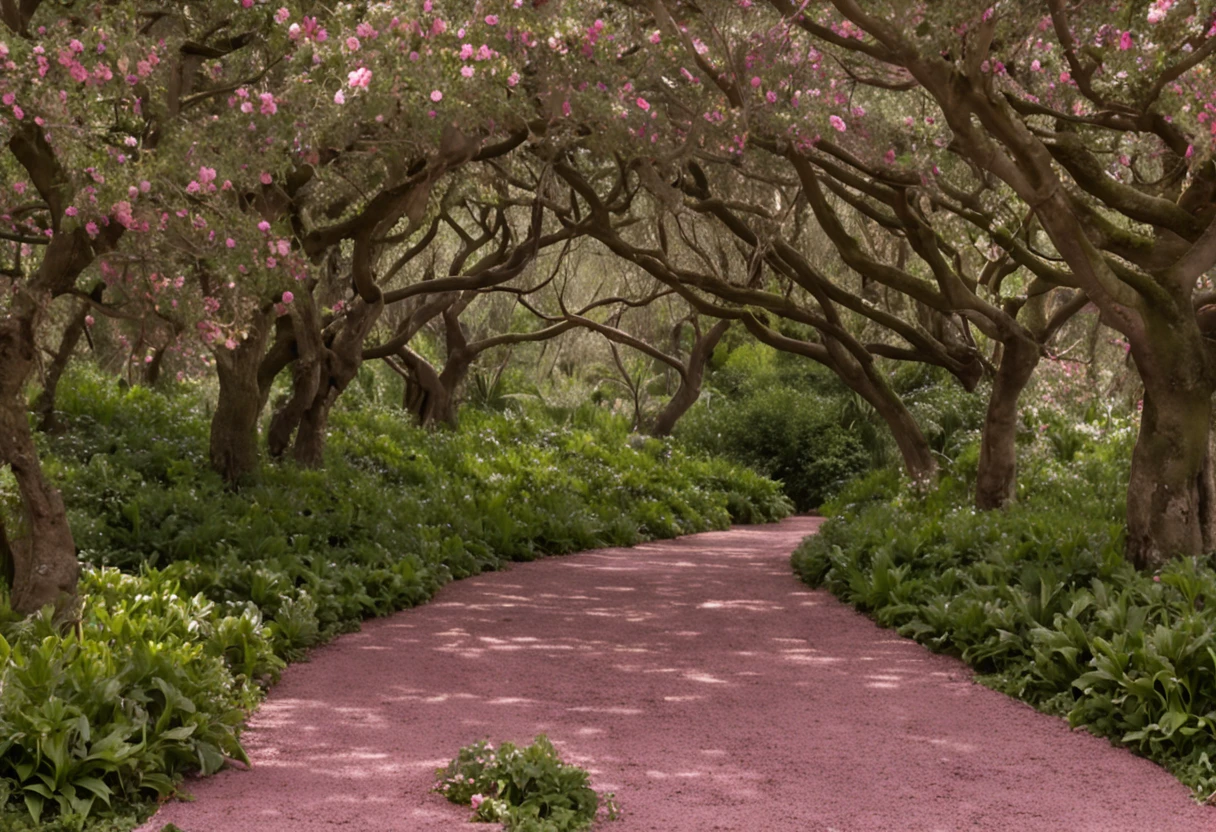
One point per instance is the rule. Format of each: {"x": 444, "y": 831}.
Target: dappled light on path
{"x": 697, "y": 679}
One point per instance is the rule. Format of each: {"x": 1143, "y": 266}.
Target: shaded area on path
{"x": 696, "y": 678}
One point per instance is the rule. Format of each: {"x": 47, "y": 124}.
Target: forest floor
{"x": 695, "y": 678}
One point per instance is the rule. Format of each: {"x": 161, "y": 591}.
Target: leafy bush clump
{"x": 153, "y": 684}
{"x": 196, "y": 595}
{"x": 1039, "y": 599}
{"x": 525, "y": 789}
{"x": 785, "y": 419}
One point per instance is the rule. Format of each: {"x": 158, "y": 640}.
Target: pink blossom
{"x": 1125, "y": 41}
{"x": 467, "y": 71}
{"x": 655, "y": 36}
{"x": 265, "y": 178}
{"x": 837, "y": 123}
{"x": 122, "y": 213}
{"x": 205, "y": 175}
{"x": 89, "y": 320}
{"x": 491, "y": 20}
{"x": 643, "y": 104}
{"x": 231, "y": 243}
{"x": 282, "y": 15}
{"x": 91, "y": 228}
{"x": 269, "y": 108}
{"x": 352, "y": 43}
{"x": 756, "y": 82}
{"x": 361, "y": 77}
{"x": 288, "y": 297}
{"x": 476, "y": 800}
{"x": 512, "y": 79}
{"x": 436, "y": 96}
{"x": 263, "y": 226}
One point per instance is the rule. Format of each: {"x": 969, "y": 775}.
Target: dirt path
{"x": 698, "y": 680}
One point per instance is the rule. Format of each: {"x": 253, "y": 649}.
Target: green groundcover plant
{"x": 1039, "y": 598}
{"x": 525, "y": 789}
{"x": 196, "y": 595}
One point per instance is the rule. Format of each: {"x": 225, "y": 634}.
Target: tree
{"x": 1099, "y": 132}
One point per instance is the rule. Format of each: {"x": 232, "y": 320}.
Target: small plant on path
{"x": 525, "y": 789}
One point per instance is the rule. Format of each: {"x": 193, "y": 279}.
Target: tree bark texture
{"x": 340, "y": 364}
{"x": 996, "y": 480}
{"x": 1166, "y": 511}
{"x": 44, "y": 404}
{"x": 689, "y": 391}
{"x": 234, "y": 426}
{"x": 41, "y": 548}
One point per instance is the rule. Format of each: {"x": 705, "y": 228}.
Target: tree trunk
{"x": 44, "y": 404}
{"x": 307, "y": 350}
{"x": 153, "y": 368}
{"x": 1165, "y": 513}
{"x": 43, "y": 554}
{"x": 455, "y": 370}
{"x": 426, "y": 397}
{"x": 996, "y": 480}
{"x": 340, "y": 365}
{"x": 867, "y": 382}
{"x": 919, "y": 462}
{"x": 1207, "y": 495}
{"x": 689, "y": 391}
{"x": 234, "y": 427}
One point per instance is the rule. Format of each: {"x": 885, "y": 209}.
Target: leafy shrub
{"x": 1039, "y": 599}
{"x": 526, "y": 789}
{"x": 154, "y": 684}
{"x": 219, "y": 588}
{"x": 791, "y": 435}
{"x": 950, "y": 417}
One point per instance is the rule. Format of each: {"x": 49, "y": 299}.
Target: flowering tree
{"x": 1079, "y": 145}
{"x": 1030, "y": 158}
{"x": 214, "y": 161}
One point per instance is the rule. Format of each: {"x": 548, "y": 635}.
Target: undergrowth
{"x": 195, "y": 595}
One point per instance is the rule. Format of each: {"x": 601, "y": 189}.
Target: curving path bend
{"x": 696, "y": 678}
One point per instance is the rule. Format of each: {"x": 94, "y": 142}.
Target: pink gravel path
{"x": 698, "y": 680}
